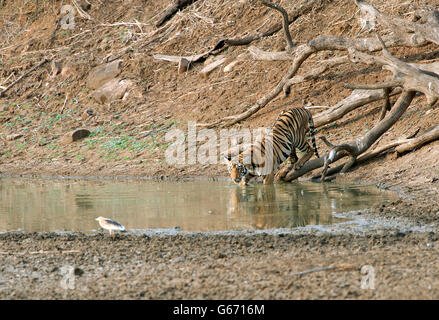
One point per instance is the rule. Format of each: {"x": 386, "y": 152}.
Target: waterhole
{"x": 72, "y": 205}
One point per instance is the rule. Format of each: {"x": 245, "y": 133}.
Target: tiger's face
{"x": 238, "y": 173}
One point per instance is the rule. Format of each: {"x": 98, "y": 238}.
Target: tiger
{"x": 288, "y": 132}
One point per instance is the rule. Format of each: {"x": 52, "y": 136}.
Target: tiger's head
{"x": 239, "y": 173}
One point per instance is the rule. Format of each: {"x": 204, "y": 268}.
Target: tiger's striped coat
{"x": 264, "y": 156}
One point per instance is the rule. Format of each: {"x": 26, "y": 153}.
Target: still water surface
{"x": 72, "y": 205}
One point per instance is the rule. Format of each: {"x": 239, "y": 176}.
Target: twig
{"x": 117, "y": 24}
{"x": 39, "y": 252}
{"x": 8, "y": 78}
{"x": 64, "y": 105}
{"x": 343, "y": 267}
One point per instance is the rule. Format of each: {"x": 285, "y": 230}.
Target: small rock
{"x": 75, "y": 135}
{"x": 104, "y": 74}
{"x": 66, "y": 70}
{"x": 392, "y": 156}
{"x": 112, "y": 90}
{"x": 180, "y": 259}
{"x": 56, "y": 68}
{"x": 88, "y": 113}
{"x": 78, "y": 272}
{"x": 183, "y": 65}
{"x": 219, "y": 255}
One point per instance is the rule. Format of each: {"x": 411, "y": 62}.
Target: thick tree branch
{"x": 355, "y": 100}
{"x": 314, "y": 73}
{"x": 285, "y": 22}
{"x": 301, "y": 54}
{"x": 422, "y": 32}
{"x": 172, "y": 9}
{"x": 303, "y": 10}
{"x": 430, "y": 135}
{"x": 402, "y": 145}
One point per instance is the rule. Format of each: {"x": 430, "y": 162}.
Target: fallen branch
{"x": 285, "y": 22}
{"x": 364, "y": 157}
{"x": 356, "y": 99}
{"x": 258, "y": 54}
{"x": 212, "y": 66}
{"x": 422, "y": 32}
{"x": 429, "y": 136}
{"x": 177, "y": 59}
{"x": 172, "y": 9}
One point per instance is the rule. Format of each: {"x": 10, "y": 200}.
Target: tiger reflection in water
{"x": 281, "y": 206}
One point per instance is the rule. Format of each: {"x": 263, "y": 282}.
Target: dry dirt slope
{"x": 127, "y": 135}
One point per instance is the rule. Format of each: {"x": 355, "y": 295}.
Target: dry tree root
{"x": 361, "y": 159}
{"x": 399, "y": 146}
{"x": 412, "y": 144}
{"x": 358, "y": 98}
{"x": 409, "y": 78}
{"x": 303, "y": 10}
{"x": 173, "y": 8}
{"x": 300, "y": 53}
{"x": 285, "y": 22}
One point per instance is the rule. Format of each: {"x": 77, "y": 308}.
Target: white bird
{"x": 110, "y": 225}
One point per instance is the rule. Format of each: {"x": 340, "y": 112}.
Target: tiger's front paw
{"x": 280, "y": 175}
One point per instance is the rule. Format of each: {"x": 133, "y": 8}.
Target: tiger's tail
{"x": 313, "y": 138}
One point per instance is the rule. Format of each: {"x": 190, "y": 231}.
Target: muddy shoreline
{"x": 263, "y": 266}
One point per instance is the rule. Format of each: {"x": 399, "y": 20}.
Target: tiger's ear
{"x": 228, "y": 157}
